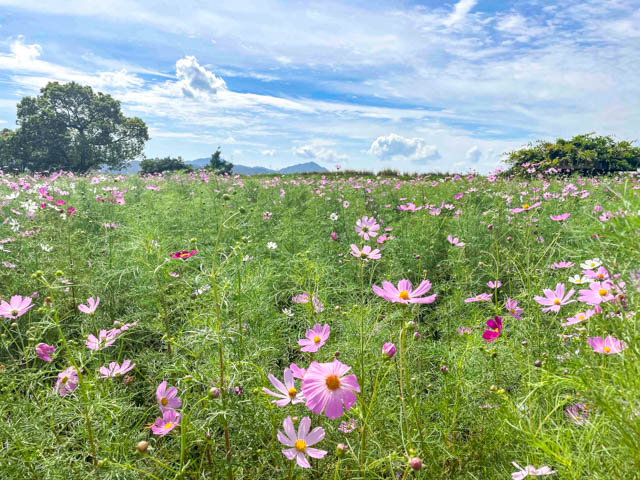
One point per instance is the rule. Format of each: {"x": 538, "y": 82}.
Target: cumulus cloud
{"x": 195, "y": 80}
{"x": 392, "y": 146}
{"x": 473, "y": 154}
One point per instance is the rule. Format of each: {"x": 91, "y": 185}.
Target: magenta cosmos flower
{"x": 183, "y": 254}
{"x": 326, "y": 388}
{"x": 301, "y": 442}
{"x": 494, "y": 330}
{"x": 297, "y": 371}
{"x": 367, "y": 227}
{"x": 105, "y": 339}
{"x": 483, "y": 297}
{"x": 388, "y": 350}
{"x": 167, "y": 397}
{"x": 513, "y": 309}
{"x": 288, "y": 393}
{"x": 496, "y": 284}
{"x": 579, "y": 317}
{"x": 316, "y": 337}
{"x": 16, "y": 307}
{"x": 405, "y": 293}
{"x": 366, "y": 253}
{"x": 115, "y": 369}
{"x": 91, "y": 308}
{"x": 45, "y": 351}
{"x": 67, "y": 381}
{"x": 599, "y": 275}
{"x": 560, "y": 218}
{"x": 166, "y": 423}
{"x": 608, "y": 345}
{"x": 597, "y": 293}
{"x": 554, "y": 299}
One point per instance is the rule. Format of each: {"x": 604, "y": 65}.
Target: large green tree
{"x": 218, "y": 164}
{"x": 588, "y": 154}
{"x": 69, "y": 126}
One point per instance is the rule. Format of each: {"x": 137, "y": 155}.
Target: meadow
{"x": 338, "y": 327}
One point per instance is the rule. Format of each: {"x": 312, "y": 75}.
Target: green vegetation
{"x": 166, "y": 164}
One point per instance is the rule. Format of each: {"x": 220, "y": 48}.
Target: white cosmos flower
{"x": 333, "y": 217}
{"x": 591, "y": 264}
{"x": 578, "y": 279}
{"x": 14, "y": 225}
{"x": 46, "y": 248}
{"x": 272, "y": 245}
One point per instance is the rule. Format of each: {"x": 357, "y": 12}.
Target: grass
{"x": 466, "y": 408}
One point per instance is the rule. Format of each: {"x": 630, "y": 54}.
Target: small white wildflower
{"x": 272, "y": 245}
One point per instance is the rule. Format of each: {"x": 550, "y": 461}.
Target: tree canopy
{"x": 70, "y": 127}
{"x": 158, "y": 165}
{"x": 218, "y": 164}
{"x": 587, "y": 154}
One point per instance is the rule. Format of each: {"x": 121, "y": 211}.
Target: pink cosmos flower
{"x": 183, "y": 254}
{"x": 388, "y": 350}
{"x": 316, "y": 338}
{"x": 297, "y": 371}
{"x": 105, "y": 339}
{"x": 494, "y": 330}
{"x": 577, "y": 413}
{"x": 600, "y": 274}
{"x": 115, "y": 369}
{"x": 16, "y": 307}
{"x": 366, "y": 253}
{"x": 45, "y": 351}
{"x": 525, "y": 207}
{"x": 560, "y": 218}
{"x": 513, "y": 309}
{"x": 608, "y": 345}
{"x": 578, "y": 317}
{"x": 67, "y": 382}
{"x": 325, "y": 387}
{"x": 334, "y": 236}
{"x": 288, "y": 393}
{"x": 301, "y": 442}
{"x": 554, "y": 299}
{"x": 597, "y": 293}
{"x": 530, "y": 470}
{"x": 462, "y": 330}
{"x": 302, "y": 298}
{"x": 558, "y": 265}
{"x": 483, "y": 297}
{"x": 496, "y": 284}
{"x": 167, "y": 397}
{"x": 405, "y": 293}
{"x": 455, "y": 241}
{"x": 166, "y": 423}
{"x": 91, "y": 308}
{"x": 367, "y": 227}
{"x": 385, "y": 238}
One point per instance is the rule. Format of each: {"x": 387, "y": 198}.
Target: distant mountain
{"x": 134, "y": 167}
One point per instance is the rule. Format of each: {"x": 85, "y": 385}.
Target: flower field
{"x": 339, "y": 327}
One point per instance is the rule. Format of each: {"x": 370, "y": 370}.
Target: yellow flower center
{"x": 363, "y": 255}
{"x": 404, "y": 295}
{"x": 64, "y": 379}
{"x": 525, "y": 205}
{"x": 602, "y": 292}
{"x": 606, "y": 349}
{"x": 556, "y": 302}
{"x": 316, "y": 339}
{"x": 164, "y": 401}
{"x": 301, "y": 445}
{"x": 167, "y": 426}
{"x": 14, "y": 312}
{"x": 601, "y": 275}
{"x": 333, "y": 382}
{"x": 512, "y": 310}
{"x": 293, "y": 392}
{"x": 581, "y": 317}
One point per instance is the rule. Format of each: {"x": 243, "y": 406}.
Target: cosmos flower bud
{"x": 48, "y": 300}
{"x": 388, "y": 350}
{"x": 444, "y": 369}
{"x": 214, "y": 392}
{"x": 416, "y": 335}
{"x": 142, "y": 446}
{"x": 341, "y": 448}
{"x": 415, "y": 463}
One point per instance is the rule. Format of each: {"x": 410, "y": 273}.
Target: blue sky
{"x": 411, "y": 85}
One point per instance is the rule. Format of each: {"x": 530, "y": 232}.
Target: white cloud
{"x": 460, "y": 11}
{"x": 317, "y": 152}
{"x": 195, "y": 80}
{"x": 473, "y": 155}
{"x": 268, "y": 153}
{"x": 392, "y": 146}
